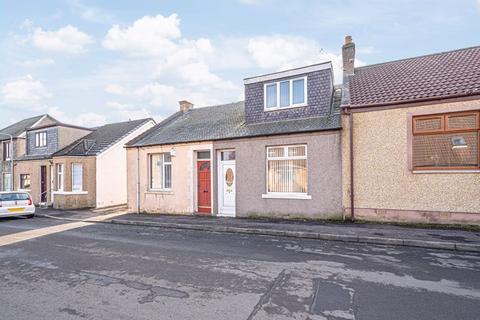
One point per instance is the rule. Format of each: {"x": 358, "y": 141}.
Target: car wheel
{"x": 28, "y": 216}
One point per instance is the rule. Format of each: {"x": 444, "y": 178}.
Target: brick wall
{"x": 319, "y": 97}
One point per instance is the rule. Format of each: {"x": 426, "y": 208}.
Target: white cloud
{"x": 281, "y": 52}
{"x": 89, "y": 13}
{"x": 146, "y": 36}
{"x": 37, "y": 62}
{"x": 85, "y": 119}
{"x": 115, "y": 89}
{"x": 67, "y": 40}
{"x": 25, "y": 92}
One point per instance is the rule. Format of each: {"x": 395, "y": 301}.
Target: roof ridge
{"x": 158, "y": 125}
{"x": 417, "y": 57}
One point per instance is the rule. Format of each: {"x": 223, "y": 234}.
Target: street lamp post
{"x": 11, "y": 159}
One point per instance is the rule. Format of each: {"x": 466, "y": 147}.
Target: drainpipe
{"x": 11, "y": 161}
{"x": 352, "y": 198}
{"x": 138, "y": 180}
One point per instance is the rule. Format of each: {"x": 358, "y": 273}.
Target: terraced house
{"x": 33, "y": 169}
{"x": 13, "y": 146}
{"x": 411, "y": 138}
{"x": 91, "y": 172}
{"x": 276, "y": 154}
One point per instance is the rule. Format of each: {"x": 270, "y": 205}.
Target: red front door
{"x": 204, "y": 186}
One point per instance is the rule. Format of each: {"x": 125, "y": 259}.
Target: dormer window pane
{"x": 272, "y": 95}
{"x": 284, "y": 94}
{"x": 298, "y": 91}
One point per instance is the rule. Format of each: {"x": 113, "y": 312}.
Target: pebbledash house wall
{"x": 386, "y": 189}
{"x": 324, "y": 176}
{"x": 181, "y": 199}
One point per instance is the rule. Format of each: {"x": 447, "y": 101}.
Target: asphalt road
{"x": 105, "y": 271}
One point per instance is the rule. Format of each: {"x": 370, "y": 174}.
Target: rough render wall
{"x": 68, "y": 135}
{"x": 181, "y": 199}
{"x": 112, "y": 171}
{"x": 384, "y": 181}
{"x": 32, "y": 167}
{"x": 324, "y": 177}
{"x": 72, "y": 201}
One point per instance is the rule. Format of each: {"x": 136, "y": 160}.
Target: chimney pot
{"x": 348, "y": 39}
{"x": 185, "y": 105}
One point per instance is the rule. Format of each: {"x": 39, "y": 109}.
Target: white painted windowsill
{"x": 70, "y": 192}
{"x": 445, "y": 171}
{"x": 167, "y": 192}
{"x": 293, "y": 196}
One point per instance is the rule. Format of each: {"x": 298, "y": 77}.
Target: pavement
{"x": 115, "y": 271}
{"x": 368, "y": 233}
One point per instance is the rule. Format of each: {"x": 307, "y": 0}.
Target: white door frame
{"x": 220, "y": 191}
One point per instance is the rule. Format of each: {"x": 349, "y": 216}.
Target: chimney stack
{"x": 185, "y": 105}
{"x": 348, "y": 56}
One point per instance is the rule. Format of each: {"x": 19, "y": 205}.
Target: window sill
{"x": 70, "y": 192}
{"x": 445, "y": 171}
{"x": 292, "y": 196}
{"x": 167, "y": 192}
{"x": 284, "y": 108}
{"x": 24, "y": 190}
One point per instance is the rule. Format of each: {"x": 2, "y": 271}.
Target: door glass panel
{"x": 228, "y": 155}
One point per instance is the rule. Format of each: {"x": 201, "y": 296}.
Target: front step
{"x": 43, "y": 205}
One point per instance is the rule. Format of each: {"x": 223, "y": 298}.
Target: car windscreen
{"x": 14, "y": 196}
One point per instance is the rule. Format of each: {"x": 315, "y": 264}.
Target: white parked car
{"x": 16, "y": 203}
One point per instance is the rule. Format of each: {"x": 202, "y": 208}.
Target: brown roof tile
{"x": 441, "y": 75}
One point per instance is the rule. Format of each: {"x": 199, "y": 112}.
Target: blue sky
{"x": 91, "y": 62}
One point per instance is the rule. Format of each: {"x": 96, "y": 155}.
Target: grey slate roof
{"x": 101, "y": 139}
{"x": 19, "y": 127}
{"x": 228, "y": 122}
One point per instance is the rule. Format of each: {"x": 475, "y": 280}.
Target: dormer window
{"x": 41, "y": 139}
{"x": 286, "y": 94}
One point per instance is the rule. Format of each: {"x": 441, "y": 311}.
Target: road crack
{"x": 264, "y": 298}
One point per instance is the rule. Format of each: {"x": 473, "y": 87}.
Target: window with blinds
{"x": 446, "y": 141}
{"x": 287, "y": 169}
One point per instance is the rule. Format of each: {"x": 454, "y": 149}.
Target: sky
{"x": 91, "y": 62}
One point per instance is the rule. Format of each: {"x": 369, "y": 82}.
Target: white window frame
{"x": 286, "y": 195}
{"x": 8, "y": 148}
{"x": 40, "y": 139}
{"x": 74, "y": 189}
{"x": 291, "y": 105}
{"x": 164, "y": 165}
{"x": 60, "y": 177}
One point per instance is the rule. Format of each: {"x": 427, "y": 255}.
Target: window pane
{"x": 156, "y": 167}
{"x": 296, "y": 151}
{"x": 446, "y": 150}
{"x": 298, "y": 91}
{"x": 24, "y": 181}
{"x": 284, "y": 94}
{"x": 276, "y": 152}
{"x": 6, "y": 182}
{"x": 77, "y": 177}
{"x": 203, "y": 155}
{"x": 167, "y": 157}
{"x": 271, "y": 96}
{"x": 168, "y": 176}
{"x": 431, "y": 124}
{"x": 287, "y": 176}
{"x": 466, "y": 121}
